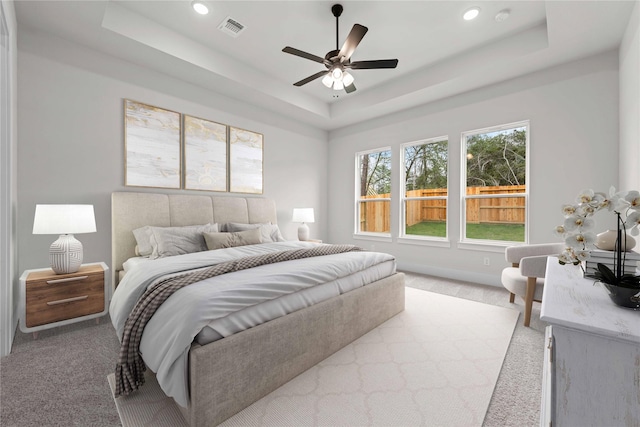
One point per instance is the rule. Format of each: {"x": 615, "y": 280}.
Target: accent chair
{"x": 525, "y": 277}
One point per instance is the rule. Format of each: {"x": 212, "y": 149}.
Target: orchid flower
{"x": 559, "y": 231}
{"x": 633, "y": 198}
{"x": 585, "y": 196}
{"x": 581, "y": 240}
{"x": 574, "y": 222}
{"x": 568, "y": 210}
{"x": 586, "y": 210}
{"x": 633, "y": 223}
{"x": 583, "y": 255}
{"x": 576, "y": 230}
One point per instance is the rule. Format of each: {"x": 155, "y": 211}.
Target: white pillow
{"x": 269, "y": 232}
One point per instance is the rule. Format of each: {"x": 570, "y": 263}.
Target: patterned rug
{"x": 435, "y": 364}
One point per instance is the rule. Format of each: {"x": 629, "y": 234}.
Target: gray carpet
{"x": 59, "y": 379}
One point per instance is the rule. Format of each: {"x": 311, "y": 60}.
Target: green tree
{"x": 426, "y": 165}
{"x": 497, "y": 158}
{"x": 375, "y": 173}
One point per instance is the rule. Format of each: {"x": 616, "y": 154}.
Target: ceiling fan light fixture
{"x": 339, "y": 59}
{"x": 327, "y": 80}
{"x": 347, "y": 79}
{"x": 199, "y": 7}
{"x": 471, "y": 13}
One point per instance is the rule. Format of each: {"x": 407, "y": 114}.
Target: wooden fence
{"x": 496, "y": 210}
{"x": 375, "y": 216}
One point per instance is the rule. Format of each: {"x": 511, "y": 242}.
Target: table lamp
{"x": 303, "y": 215}
{"x": 65, "y": 254}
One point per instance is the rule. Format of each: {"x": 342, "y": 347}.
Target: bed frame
{"x": 228, "y": 375}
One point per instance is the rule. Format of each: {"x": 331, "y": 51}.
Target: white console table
{"x": 591, "y": 371}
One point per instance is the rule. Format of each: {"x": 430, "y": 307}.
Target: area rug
{"x": 435, "y": 364}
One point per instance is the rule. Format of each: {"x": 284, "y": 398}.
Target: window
{"x": 373, "y": 192}
{"x": 494, "y": 194}
{"x": 424, "y": 192}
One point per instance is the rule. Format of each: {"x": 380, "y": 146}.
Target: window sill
{"x": 487, "y": 245}
{"x": 377, "y": 237}
{"x": 441, "y": 243}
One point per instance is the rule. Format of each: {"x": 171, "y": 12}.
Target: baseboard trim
{"x": 448, "y": 273}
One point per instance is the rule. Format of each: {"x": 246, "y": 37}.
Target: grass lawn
{"x": 506, "y": 232}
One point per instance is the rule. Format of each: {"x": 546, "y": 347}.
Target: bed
{"x": 229, "y": 374}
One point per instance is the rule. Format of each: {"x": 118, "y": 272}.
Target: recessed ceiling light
{"x": 502, "y": 15}
{"x": 470, "y": 14}
{"x": 199, "y": 7}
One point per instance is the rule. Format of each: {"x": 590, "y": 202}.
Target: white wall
{"x": 9, "y": 277}
{"x": 71, "y": 146}
{"x": 573, "y": 111}
{"x": 630, "y": 104}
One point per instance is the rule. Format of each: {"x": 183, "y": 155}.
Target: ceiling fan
{"x": 339, "y": 61}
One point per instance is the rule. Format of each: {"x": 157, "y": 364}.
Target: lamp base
{"x": 303, "y": 232}
{"x": 65, "y": 254}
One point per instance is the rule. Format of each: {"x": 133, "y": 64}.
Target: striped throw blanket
{"x": 130, "y": 367}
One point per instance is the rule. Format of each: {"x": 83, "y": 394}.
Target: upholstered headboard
{"x": 131, "y": 210}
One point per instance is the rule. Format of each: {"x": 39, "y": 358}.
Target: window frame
{"x": 486, "y": 244}
{"x": 370, "y": 235}
{"x": 418, "y": 239}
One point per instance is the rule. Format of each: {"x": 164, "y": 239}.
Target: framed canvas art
{"x": 205, "y": 155}
{"x": 245, "y": 161}
{"x": 152, "y": 146}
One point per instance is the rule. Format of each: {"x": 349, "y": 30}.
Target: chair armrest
{"x": 513, "y": 254}
{"x": 533, "y": 266}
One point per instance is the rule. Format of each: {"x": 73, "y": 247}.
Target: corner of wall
{"x": 9, "y": 300}
{"x": 629, "y": 94}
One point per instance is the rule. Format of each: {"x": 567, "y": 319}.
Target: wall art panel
{"x": 205, "y": 155}
{"x": 245, "y": 161}
{"x": 152, "y": 146}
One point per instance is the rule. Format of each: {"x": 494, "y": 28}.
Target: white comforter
{"x": 168, "y": 335}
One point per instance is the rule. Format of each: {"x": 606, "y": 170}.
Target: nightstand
{"x": 48, "y": 300}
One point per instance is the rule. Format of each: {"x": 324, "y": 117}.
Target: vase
{"x": 607, "y": 241}
{"x": 624, "y": 297}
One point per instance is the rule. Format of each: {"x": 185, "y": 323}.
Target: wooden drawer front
{"x": 52, "y": 302}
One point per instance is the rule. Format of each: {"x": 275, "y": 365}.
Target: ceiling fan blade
{"x": 297, "y": 52}
{"x": 350, "y": 88}
{"x": 353, "y": 40}
{"x": 311, "y": 78}
{"x": 369, "y": 65}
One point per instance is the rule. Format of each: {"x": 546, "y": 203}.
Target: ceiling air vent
{"x": 231, "y": 27}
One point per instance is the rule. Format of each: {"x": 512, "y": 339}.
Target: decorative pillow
{"x": 143, "y": 238}
{"x": 230, "y": 240}
{"x": 158, "y": 242}
{"x": 270, "y": 232}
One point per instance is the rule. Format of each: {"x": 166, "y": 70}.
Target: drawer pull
{"x": 68, "y": 279}
{"x": 62, "y": 301}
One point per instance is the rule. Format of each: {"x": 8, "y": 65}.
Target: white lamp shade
{"x": 303, "y": 215}
{"x": 64, "y": 219}
{"x": 347, "y": 79}
{"x": 327, "y": 80}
